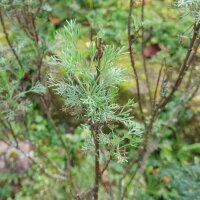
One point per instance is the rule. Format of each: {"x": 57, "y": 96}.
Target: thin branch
{"x": 143, "y": 57}
{"x": 157, "y": 83}
{"x": 97, "y": 165}
{"x": 13, "y": 134}
{"x": 194, "y": 44}
{"x": 51, "y": 162}
{"x": 136, "y": 79}
{"x": 35, "y": 34}
{"x": 106, "y": 166}
{"x": 8, "y": 40}
{"x": 59, "y": 134}
{"x": 128, "y": 184}
{"x": 133, "y": 60}
{"x": 39, "y": 6}
{"x": 95, "y": 126}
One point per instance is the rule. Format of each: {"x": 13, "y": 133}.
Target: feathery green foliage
{"x": 86, "y": 93}
{"x": 190, "y": 6}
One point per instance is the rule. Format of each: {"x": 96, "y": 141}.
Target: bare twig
{"x": 8, "y": 40}
{"x": 97, "y": 165}
{"x": 133, "y": 60}
{"x": 194, "y": 44}
{"x": 13, "y": 134}
{"x": 143, "y": 56}
{"x": 157, "y": 83}
{"x": 106, "y": 166}
{"x": 59, "y": 134}
{"x": 95, "y": 126}
{"x": 39, "y": 6}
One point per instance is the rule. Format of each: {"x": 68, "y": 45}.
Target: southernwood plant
{"x": 89, "y": 88}
{"x": 87, "y": 83}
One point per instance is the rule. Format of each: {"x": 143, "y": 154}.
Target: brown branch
{"x": 187, "y": 96}
{"x": 13, "y": 134}
{"x": 133, "y": 60}
{"x": 97, "y": 163}
{"x": 35, "y": 34}
{"x": 39, "y": 6}
{"x": 194, "y": 44}
{"x": 36, "y": 40}
{"x": 59, "y": 134}
{"x": 95, "y": 126}
{"x": 137, "y": 83}
{"x": 8, "y": 40}
{"x": 106, "y": 166}
{"x": 157, "y": 83}
{"x": 143, "y": 57}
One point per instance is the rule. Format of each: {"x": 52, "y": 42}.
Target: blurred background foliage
{"x": 172, "y": 171}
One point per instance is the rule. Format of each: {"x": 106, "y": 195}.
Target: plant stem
{"x": 95, "y": 126}
{"x": 97, "y": 169}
